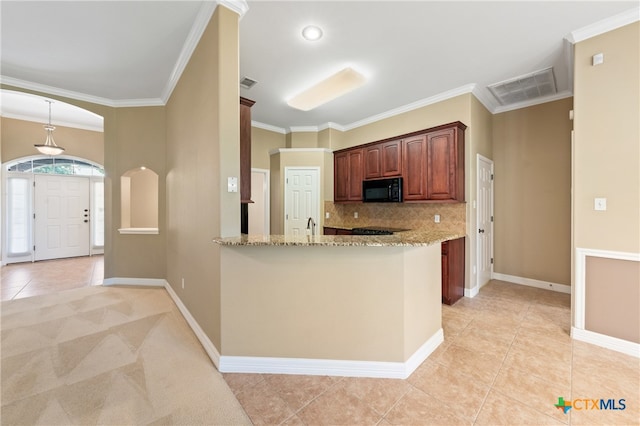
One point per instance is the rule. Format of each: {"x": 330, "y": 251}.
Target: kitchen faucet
{"x": 311, "y": 225}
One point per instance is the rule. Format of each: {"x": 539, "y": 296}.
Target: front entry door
{"x": 485, "y": 220}
{"x": 302, "y": 199}
{"x": 61, "y": 216}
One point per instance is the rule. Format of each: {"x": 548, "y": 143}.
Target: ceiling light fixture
{"x": 339, "y": 84}
{"x": 49, "y": 147}
{"x": 312, "y": 33}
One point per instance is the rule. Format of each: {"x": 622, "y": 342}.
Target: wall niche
{"x": 139, "y": 201}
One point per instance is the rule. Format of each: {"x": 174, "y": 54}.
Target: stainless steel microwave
{"x": 382, "y": 190}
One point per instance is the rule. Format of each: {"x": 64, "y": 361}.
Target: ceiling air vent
{"x": 525, "y": 87}
{"x": 247, "y": 82}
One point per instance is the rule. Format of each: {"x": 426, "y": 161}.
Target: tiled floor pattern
{"x": 31, "y": 279}
{"x": 506, "y": 359}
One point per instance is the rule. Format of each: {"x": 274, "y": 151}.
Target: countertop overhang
{"x": 416, "y": 238}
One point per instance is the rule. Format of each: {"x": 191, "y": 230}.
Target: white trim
{"x": 139, "y": 231}
{"x": 50, "y": 90}
{"x": 303, "y": 129}
{"x": 330, "y": 367}
{"x": 32, "y": 119}
{"x": 206, "y": 343}
{"x": 285, "y": 150}
{"x": 268, "y": 127}
{"x": 609, "y": 24}
{"x": 238, "y": 6}
{"x": 546, "y": 285}
{"x": 146, "y": 282}
{"x": 471, "y": 292}
{"x": 613, "y": 343}
{"x": 580, "y": 277}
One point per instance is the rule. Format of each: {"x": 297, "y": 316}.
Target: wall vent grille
{"x": 525, "y": 87}
{"x": 247, "y": 82}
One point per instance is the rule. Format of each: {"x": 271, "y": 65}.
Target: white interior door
{"x": 485, "y": 220}
{"x": 61, "y": 216}
{"x": 259, "y": 209}
{"x": 302, "y": 199}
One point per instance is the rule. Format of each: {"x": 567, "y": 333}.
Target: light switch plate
{"x": 600, "y": 204}
{"x": 232, "y": 184}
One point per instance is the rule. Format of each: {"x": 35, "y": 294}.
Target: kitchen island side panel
{"x": 333, "y": 303}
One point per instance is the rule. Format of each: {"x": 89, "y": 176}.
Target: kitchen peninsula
{"x": 332, "y": 305}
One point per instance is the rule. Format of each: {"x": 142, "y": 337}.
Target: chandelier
{"x": 49, "y": 147}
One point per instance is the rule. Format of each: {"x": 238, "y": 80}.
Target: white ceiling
{"x": 123, "y": 53}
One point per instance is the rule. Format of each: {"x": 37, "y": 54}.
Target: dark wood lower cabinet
{"x": 336, "y": 231}
{"x": 452, "y": 271}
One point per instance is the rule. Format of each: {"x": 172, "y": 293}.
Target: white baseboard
{"x": 613, "y": 343}
{"x": 471, "y": 292}
{"x": 206, "y": 343}
{"x": 561, "y": 288}
{"x": 149, "y": 282}
{"x": 327, "y": 367}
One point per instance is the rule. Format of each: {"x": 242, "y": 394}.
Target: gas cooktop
{"x": 376, "y": 230}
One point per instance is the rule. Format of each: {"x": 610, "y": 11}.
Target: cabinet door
{"x": 355, "y": 175}
{"x": 372, "y": 162}
{"x": 452, "y": 271}
{"x": 414, "y": 151}
{"x": 341, "y": 176}
{"x": 442, "y": 166}
{"x": 391, "y": 158}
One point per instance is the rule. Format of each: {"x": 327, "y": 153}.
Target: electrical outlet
{"x": 600, "y": 204}
{"x": 436, "y": 218}
{"x": 355, "y": 215}
{"x": 327, "y": 215}
{"x": 183, "y": 283}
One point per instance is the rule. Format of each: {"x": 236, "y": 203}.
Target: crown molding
{"x": 56, "y": 123}
{"x": 268, "y": 127}
{"x": 239, "y": 6}
{"x": 541, "y": 100}
{"x": 285, "y": 150}
{"x": 303, "y": 129}
{"x": 50, "y": 90}
{"x": 620, "y": 20}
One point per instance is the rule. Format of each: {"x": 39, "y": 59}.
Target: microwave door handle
{"x": 389, "y": 188}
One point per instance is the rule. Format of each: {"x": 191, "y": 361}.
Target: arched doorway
{"x": 54, "y": 208}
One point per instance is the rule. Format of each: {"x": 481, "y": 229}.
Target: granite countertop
{"x": 415, "y": 238}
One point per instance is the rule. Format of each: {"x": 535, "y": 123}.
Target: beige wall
{"x": 606, "y": 159}
{"x": 263, "y": 141}
{"x": 202, "y": 150}
{"x": 19, "y": 137}
{"x": 612, "y": 297}
{"x": 607, "y": 152}
{"x": 302, "y": 140}
{"x": 532, "y": 192}
{"x": 330, "y": 302}
{"x": 143, "y": 201}
{"x": 139, "y": 141}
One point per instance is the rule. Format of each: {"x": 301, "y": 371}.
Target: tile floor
{"x": 506, "y": 359}
{"x": 31, "y": 279}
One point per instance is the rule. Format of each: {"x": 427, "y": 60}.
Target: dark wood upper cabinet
{"x": 431, "y": 162}
{"x": 348, "y": 175}
{"x": 245, "y": 150}
{"x": 445, "y": 165}
{"x": 414, "y": 151}
{"x": 383, "y": 160}
{"x": 373, "y": 162}
{"x": 392, "y": 158}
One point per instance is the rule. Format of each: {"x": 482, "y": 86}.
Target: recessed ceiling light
{"x": 312, "y": 33}
{"x": 327, "y": 90}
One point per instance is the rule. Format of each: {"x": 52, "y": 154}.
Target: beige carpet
{"x": 105, "y": 355}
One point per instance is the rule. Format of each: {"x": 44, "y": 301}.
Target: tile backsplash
{"x": 398, "y": 215}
